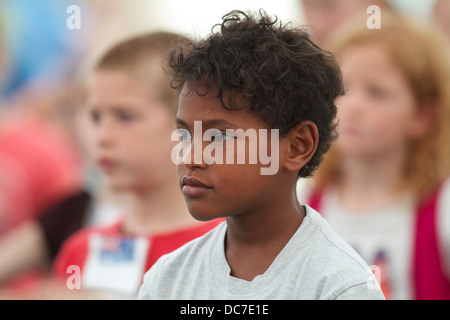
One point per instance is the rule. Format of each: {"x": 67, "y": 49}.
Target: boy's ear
{"x": 302, "y": 142}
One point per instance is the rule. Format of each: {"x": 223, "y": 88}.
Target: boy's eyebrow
{"x": 180, "y": 122}
{"x": 207, "y": 123}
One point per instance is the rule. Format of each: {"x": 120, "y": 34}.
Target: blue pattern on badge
{"x": 117, "y": 250}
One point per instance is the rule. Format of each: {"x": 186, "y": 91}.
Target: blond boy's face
{"x": 130, "y": 131}
{"x": 378, "y": 114}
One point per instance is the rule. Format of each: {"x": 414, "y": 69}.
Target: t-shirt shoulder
{"x": 325, "y": 268}
{"x": 341, "y": 247}
{"x": 338, "y": 260}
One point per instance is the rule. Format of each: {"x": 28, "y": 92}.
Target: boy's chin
{"x": 201, "y": 215}
{"x": 119, "y": 186}
{"x": 122, "y": 187}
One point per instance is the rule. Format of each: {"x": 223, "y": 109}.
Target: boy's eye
{"x": 218, "y": 136}
{"x": 95, "y": 116}
{"x": 378, "y": 93}
{"x": 184, "y": 135}
{"x": 125, "y": 116}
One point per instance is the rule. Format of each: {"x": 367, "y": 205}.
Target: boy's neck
{"x": 266, "y": 224}
{"x": 158, "y": 210}
{"x": 254, "y": 239}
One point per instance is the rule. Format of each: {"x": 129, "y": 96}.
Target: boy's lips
{"x": 107, "y": 164}
{"x": 193, "y": 187}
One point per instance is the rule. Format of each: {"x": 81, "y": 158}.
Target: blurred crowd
{"x": 86, "y": 179}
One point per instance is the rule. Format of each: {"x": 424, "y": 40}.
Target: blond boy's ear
{"x": 302, "y": 142}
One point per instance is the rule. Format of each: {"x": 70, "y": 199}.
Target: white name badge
{"x": 115, "y": 263}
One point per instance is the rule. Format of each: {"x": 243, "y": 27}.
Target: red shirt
{"x": 110, "y": 260}
{"x": 37, "y": 168}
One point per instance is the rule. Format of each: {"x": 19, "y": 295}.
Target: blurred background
{"x": 45, "y": 52}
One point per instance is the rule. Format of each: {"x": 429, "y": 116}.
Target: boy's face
{"x": 221, "y": 190}
{"x": 130, "y": 131}
{"x": 327, "y": 15}
{"x": 378, "y": 115}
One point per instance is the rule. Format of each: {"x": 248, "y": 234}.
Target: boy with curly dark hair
{"x": 255, "y": 73}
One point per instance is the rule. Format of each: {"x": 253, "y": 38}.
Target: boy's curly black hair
{"x": 285, "y": 78}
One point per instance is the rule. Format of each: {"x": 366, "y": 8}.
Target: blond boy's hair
{"x": 144, "y": 58}
{"x": 422, "y": 54}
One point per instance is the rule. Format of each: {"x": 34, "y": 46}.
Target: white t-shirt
{"x": 315, "y": 264}
{"x": 384, "y": 235}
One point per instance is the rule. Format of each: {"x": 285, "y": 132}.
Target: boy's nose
{"x": 193, "y": 157}
{"x": 104, "y": 134}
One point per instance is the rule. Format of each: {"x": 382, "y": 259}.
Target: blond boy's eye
{"x": 124, "y": 116}
{"x": 378, "y": 93}
{"x": 95, "y": 116}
